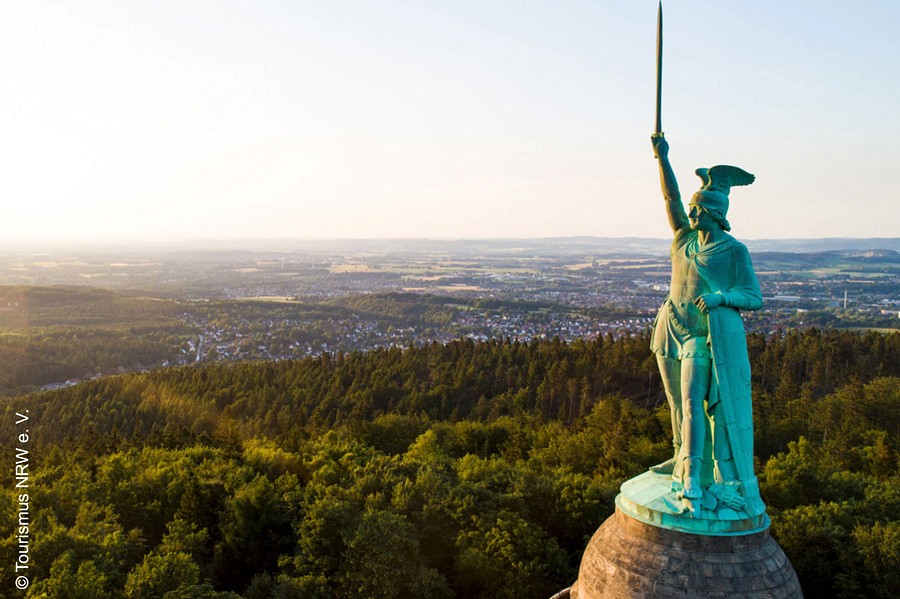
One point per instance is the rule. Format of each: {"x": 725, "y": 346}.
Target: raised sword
{"x": 659, "y": 52}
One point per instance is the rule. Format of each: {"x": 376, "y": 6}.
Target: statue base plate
{"x": 651, "y": 498}
{"x": 627, "y": 558}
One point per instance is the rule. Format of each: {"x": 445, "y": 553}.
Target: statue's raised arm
{"x": 674, "y": 209}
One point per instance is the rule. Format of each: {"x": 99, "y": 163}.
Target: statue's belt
{"x": 680, "y": 326}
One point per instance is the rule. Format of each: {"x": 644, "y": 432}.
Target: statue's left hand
{"x": 708, "y": 301}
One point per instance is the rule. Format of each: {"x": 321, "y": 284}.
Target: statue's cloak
{"x": 727, "y": 270}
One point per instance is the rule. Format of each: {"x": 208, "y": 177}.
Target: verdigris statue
{"x": 708, "y": 529}
{"x": 708, "y": 534}
{"x": 708, "y": 486}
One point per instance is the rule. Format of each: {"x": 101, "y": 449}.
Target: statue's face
{"x": 700, "y": 220}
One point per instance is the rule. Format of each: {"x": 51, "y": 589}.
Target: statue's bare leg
{"x": 670, "y": 371}
{"x": 695, "y": 377}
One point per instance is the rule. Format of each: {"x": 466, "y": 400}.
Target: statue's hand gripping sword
{"x": 659, "y": 53}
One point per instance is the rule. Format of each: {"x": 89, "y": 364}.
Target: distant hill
{"x": 829, "y": 244}
{"x": 544, "y": 245}
{"x": 826, "y": 258}
{"x": 52, "y": 334}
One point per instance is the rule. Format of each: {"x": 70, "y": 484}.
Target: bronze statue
{"x": 699, "y": 341}
{"x": 708, "y": 486}
{"x": 695, "y": 525}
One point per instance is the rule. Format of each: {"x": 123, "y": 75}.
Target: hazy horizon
{"x": 572, "y": 243}
{"x": 161, "y": 122}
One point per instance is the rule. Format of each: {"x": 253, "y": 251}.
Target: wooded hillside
{"x": 466, "y": 469}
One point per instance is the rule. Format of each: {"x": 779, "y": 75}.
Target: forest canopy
{"x": 466, "y": 469}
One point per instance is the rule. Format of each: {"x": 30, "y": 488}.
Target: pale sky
{"x": 139, "y": 120}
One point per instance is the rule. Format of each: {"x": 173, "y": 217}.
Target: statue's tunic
{"x": 681, "y": 330}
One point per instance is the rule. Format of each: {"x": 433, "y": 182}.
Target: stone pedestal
{"x": 628, "y": 558}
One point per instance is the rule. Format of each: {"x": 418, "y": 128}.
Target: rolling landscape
{"x": 356, "y": 300}
{"x": 415, "y": 418}
{"x": 78, "y": 313}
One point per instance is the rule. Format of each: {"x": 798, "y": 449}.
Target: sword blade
{"x": 659, "y": 56}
